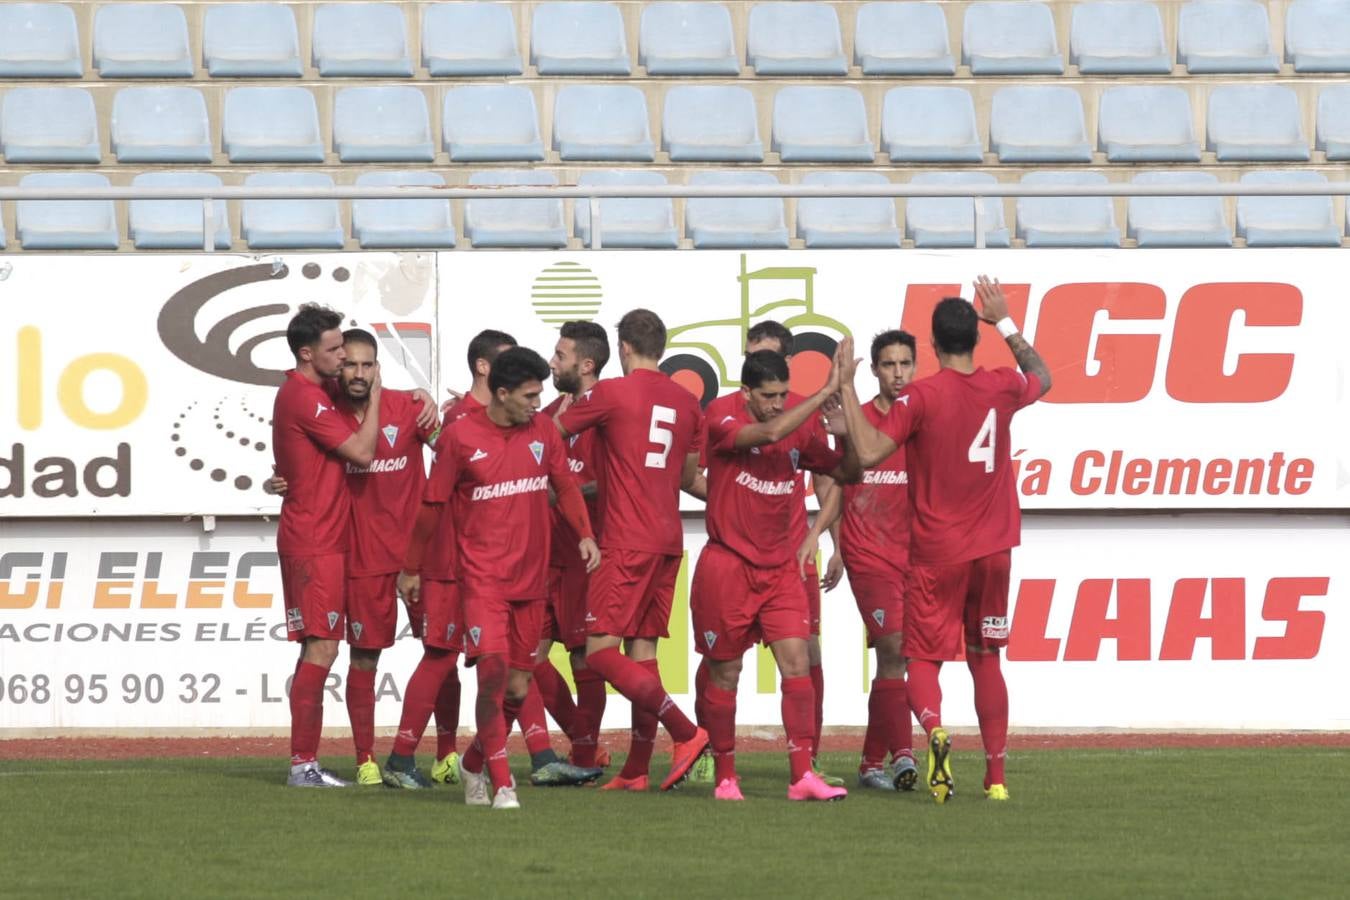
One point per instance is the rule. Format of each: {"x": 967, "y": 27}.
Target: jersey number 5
{"x": 662, "y": 436}
{"x": 982, "y": 448}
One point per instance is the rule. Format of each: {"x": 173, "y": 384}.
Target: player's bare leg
{"x": 794, "y": 665}
{"x": 361, "y": 712}
{"x": 317, "y": 656}
{"x": 718, "y": 702}
{"x": 991, "y": 708}
{"x": 888, "y": 722}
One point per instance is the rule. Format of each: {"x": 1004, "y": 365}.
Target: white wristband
{"x": 1006, "y": 326}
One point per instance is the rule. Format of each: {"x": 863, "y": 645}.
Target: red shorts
{"x": 950, "y": 607}
{"x": 881, "y": 601}
{"x": 314, "y": 589}
{"x": 506, "y": 627}
{"x": 813, "y": 596}
{"x": 372, "y": 614}
{"x": 735, "y": 605}
{"x": 416, "y": 612}
{"x": 565, "y": 612}
{"x": 630, "y": 595}
{"x": 442, "y": 615}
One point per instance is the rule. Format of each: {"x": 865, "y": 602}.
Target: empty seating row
{"x": 261, "y": 40}
{"x": 700, "y": 123}
{"x": 650, "y": 222}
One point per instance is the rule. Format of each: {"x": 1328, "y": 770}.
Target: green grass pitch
{"x": 1082, "y": 823}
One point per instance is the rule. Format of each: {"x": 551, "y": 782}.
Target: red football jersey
{"x": 752, "y": 493}
{"x": 498, "y": 480}
{"x": 961, "y": 481}
{"x": 441, "y": 560}
{"x": 306, "y": 429}
{"x": 874, "y": 528}
{"x": 580, "y": 456}
{"x": 647, "y": 425}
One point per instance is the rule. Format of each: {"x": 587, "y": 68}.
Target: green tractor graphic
{"x": 705, "y": 357}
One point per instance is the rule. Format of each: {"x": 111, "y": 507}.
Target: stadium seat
{"x": 291, "y": 224}
{"x": 1256, "y": 122}
{"x": 1225, "y": 36}
{"x": 1119, "y": 38}
{"x": 1317, "y": 35}
{"x": 795, "y": 38}
{"x": 602, "y": 122}
{"x": 398, "y": 224}
{"x": 1143, "y": 123}
{"x": 1287, "y": 221}
{"x": 821, "y": 124}
{"x": 1038, "y": 124}
{"x": 251, "y": 40}
{"x": 382, "y": 124}
{"x": 711, "y": 123}
{"x": 735, "y": 222}
{"x": 66, "y": 224}
{"x": 1333, "y": 122}
{"x": 930, "y": 124}
{"x": 271, "y": 124}
{"x": 893, "y": 38}
{"x": 365, "y": 40}
{"x": 514, "y": 223}
{"x": 49, "y": 125}
{"x": 141, "y": 40}
{"x": 950, "y": 221}
{"x": 687, "y": 39}
{"x": 39, "y": 40}
{"x": 175, "y": 224}
{"x": 578, "y": 38}
{"x": 470, "y": 39}
{"x": 1177, "y": 221}
{"x": 627, "y": 222}
{"x": 1013, "y": 37}
{"x": 829, "y": 222}
{"x": 491, "y": 122}
{"x": 160, "y": 124}
{"x": 1067, "y": 221}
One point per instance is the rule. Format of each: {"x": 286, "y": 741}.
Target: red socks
{"x": 422, "y": 695}
{"x": 447, "y": 711}
{"x": 888, "y": 723}
{"x": 991, "y": 708}
{"x": 490, "y": 742}
{"x": 529, "y": 711}
{"x": 590, "y": 710}
{"x": 643, "y": 733}
{"x": 818, "y": 685}
{"x": 306, "y": 712}
{"x": 925, "y": 693}
{"x": 361, "y": 711}
{"x": 719, "y": 708}
{"x": 702, "y": 678}
{"x": 556, "y": 695}
{"x": 644, "y": 689}
{"x": 798, "y": 707}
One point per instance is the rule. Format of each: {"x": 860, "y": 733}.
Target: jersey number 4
{"x": 662, "y": 434}
{"x": 982, "y": 448}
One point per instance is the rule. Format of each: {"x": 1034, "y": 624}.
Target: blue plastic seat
{"x": 1038, "y": 124}
{"x": 1177, "y": 221}
{"x": 39, "y": 40}
{"x": 1256, "y": 122}
{"x": 271, "y": 124}
{"x": 160, "y": 124}
{"x": 711, "y": 123}
{"x": 1067, "y": 221}
{"x": 291, "y": 224}
{"x": 1119, "y": 38}
{"x": 66, "y": 224}
{"x": 1010, "y": 37}
{"x": 382, "y": 124}
{"x": 1317, "y": 35}
{"x": 491, "y": 122}
{"x": 470, "y": 39}
{"x": 49, "y": 125}
{"x": 821, "y": 124}
{"x": 1287, "y": 221}
{"x": 175, "y": 224}
{"x": 365, "y": 40}
{"x": 624, "y": 221}
{"x": 578, "y": 38}
{"x": 838, "y": 222}
{"x": 399, "y": 224}
{"x": 141, "y": 40}
{"x": 602, "y": 122}
{"x": 930, "y": 124}
{"x": 950, "y": 222}
{"x": 795, "y": 38}
{"x": 903, "y": 38}
{"x": 687, "y": 38}
{"x": 1144, "y": 123}
{"x": 1225, "y": 36}
{"x": 251, "y": 40}
{"x": 735, "y": 222}
{"x": 1333, "y": 122}
{"x": 514, "y": 223}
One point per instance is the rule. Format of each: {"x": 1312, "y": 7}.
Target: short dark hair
{"x": 885, "y": 339}
{"x": 644, "y": 331}
{"x": 308, "y": 325}
{"x": 485, "y": 345}
{"x": 514, "y": 367}
{"x": 361, "y": 336}
{"x": 956, "y": 327}
{"x": 771, "y": 330}
{"x": 762, "y": 366}
{"x": 591, "y": 340}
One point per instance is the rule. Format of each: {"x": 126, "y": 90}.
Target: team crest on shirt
{"x": 572, "y": 441}
{"x": 795, "y": 455}
{"x": 710, "y": 638}
{"x": 357, "y": 628}
{"x": 450, "y": 632}
{"x": 474, "y": 634}
{"x": 390, "y": 434}
{"x": 537, "y": 451}
{"x": 879, "y": 616}
{"x": 333, "y": 620}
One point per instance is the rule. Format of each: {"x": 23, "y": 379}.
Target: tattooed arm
{"x": 993, "y": 308}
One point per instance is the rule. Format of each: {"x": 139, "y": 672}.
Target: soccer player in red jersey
{"x": 874, "y": 547}
{"x": 747, "y": 586}
{"x": 649, "y": 434}
{"x": 498, "y": 466}
{"x": 954, "y": 427}
{"x": 311, "y": 442}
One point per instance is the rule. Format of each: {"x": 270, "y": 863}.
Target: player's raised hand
{"x": 832, "y": 415}
{"x": 845, "y": 362}
{"x": 807, "y": 551}
{"x": 427, "y": 420}
{"x": 590, "y": 553}
{"x": 455, "y": 397}
{"x": 992, "y": 306}
{"x": 376, "y": 383}
{"x": 276, "y": 484}
{"x": 834, "y": 573}
{"x": 409, "y": 586}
